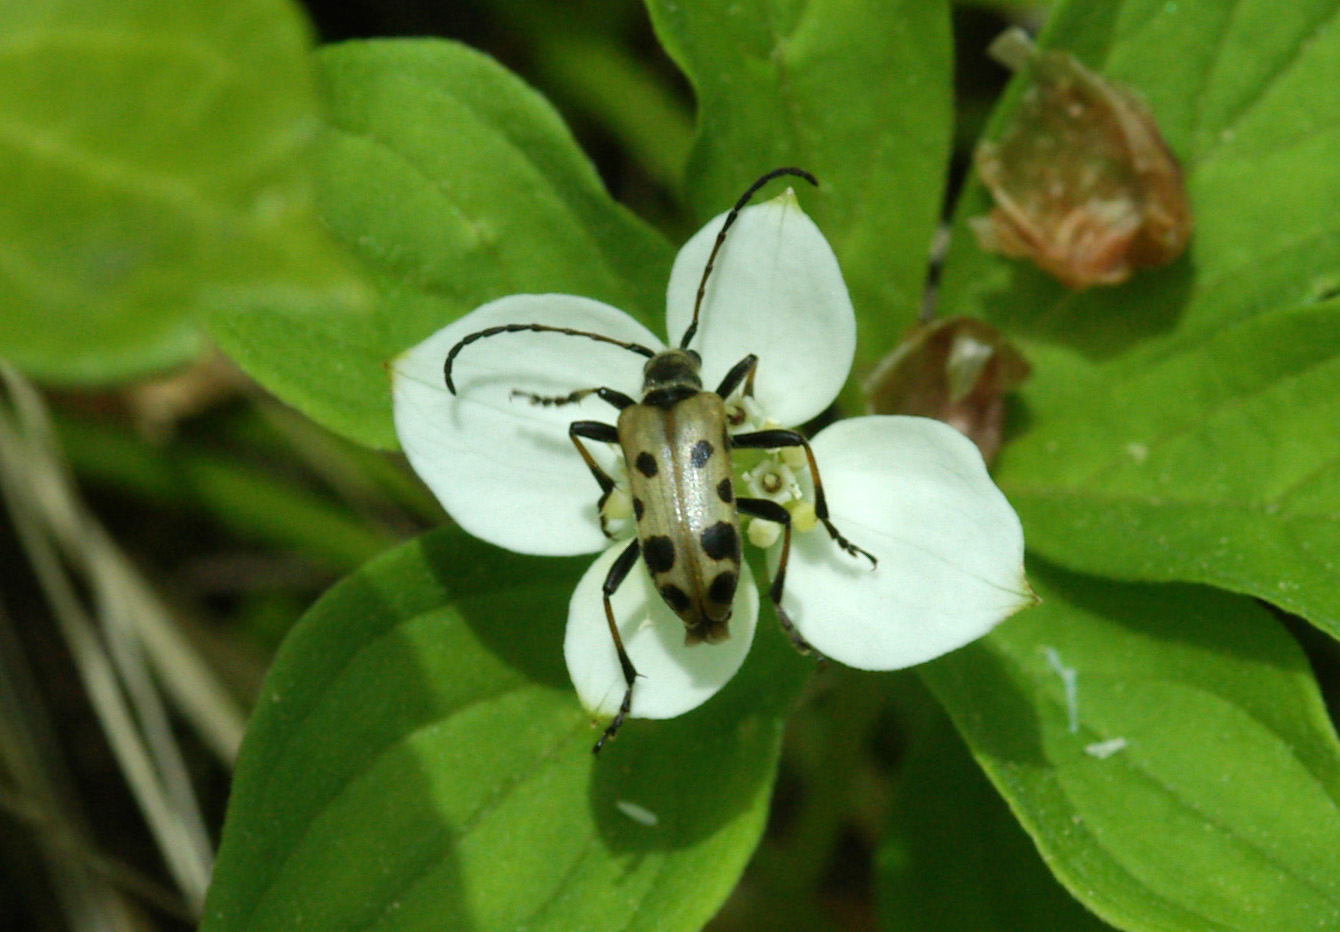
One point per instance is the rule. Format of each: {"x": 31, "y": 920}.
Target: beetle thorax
{"x": 670, "y": 376}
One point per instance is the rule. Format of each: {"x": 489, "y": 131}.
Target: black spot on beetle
{"x": 702, "y": 452}
{"x": 646, "y": 464}
{"x": 675, "y": 597}
{"x": 726, "y": 491}
{"x": 722, "y": 589}
{"x": 638, "y": 508}
{"x": 659, "y": 553}
{"x": 720, "y": 542}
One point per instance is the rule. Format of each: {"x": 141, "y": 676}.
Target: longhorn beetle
{"x": 677, "y": 447}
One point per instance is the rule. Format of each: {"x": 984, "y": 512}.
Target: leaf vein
{"x": 1234, "y": 117}
{"x": 1208, "y": 73}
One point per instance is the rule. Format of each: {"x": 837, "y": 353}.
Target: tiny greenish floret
{"x": 919, "y": 551}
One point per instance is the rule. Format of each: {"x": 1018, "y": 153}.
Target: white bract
{"x": 912, "y": 492}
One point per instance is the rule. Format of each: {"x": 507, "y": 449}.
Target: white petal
{"x": 914, "y": 493}
{"x": 504, "y": 469}
{"x": 673, "y": 677}
{"x": 776, "y": 291}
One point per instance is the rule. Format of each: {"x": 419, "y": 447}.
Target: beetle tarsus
{"x": 614, "y": 398}
{"x": 613, "y": 727}
{"x": 847, "y": 545}
{"x": 551, "y": 400}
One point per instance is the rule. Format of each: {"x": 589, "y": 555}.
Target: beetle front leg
{"x": 605, "y": 433}
{"x": 742, "y": 371}
{"x": 618, "y": 572}
{"x": 780, "y": 437}
{"x": 618, "y": 399}
{"x": 769, "y": 510}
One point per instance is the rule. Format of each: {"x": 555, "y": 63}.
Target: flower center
{"x": 775, "y": 475}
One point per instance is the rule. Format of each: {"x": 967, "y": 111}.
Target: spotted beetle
{"x": 676, "y": 444}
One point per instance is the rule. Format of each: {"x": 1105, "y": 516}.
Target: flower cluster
{"x": 911, "y": 491}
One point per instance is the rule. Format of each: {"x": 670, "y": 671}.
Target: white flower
{"x": 912, "y": 492}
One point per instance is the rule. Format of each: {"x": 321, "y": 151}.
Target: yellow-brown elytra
{"x": 676, "y": 444}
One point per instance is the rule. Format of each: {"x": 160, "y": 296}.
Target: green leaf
{"x": 1178, "y": 427}
{"x": 419, "y": 760}
{"x": 454, "y": 184}
{"x": 1217, "y": 463}
{"x": 859, "y": 93}
{"x": 152, "y": 157}
{"x": 1218, "y": 808}
{"x": 1247, "y": 94}
{"x": 954, "y": 859}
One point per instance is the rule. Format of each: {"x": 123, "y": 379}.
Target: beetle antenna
{"x": 534, "y": 328}
{"x": 721, "y": 238}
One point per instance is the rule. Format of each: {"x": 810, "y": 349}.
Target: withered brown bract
{"x": 1083, "y": 183}
{"x": 956, "y": 370}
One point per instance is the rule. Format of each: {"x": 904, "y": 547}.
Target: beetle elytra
{"x": 676, "y": 442}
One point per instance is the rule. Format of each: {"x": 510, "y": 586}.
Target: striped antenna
{"x": 721, "y": 238}
{"x": 534, "y": 328}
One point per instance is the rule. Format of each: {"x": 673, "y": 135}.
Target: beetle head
{"x": 671, "y": 369}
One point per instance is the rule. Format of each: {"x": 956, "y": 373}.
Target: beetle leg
{"x": 618, "y": 572}
{"x": 605, "y": 433}
{"x": 769, "y": 510}
{"x": 617, "y": 399}
{"x": 742, "y": 371}
{"x": 771, "y": 440}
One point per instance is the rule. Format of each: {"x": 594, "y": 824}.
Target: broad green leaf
{"x": 418, "y": 760}
{"x": 454, "y": 184}
{"x": 1217, "y": 463}
{"x": 859, "y": 93}
{"x": 152, "y": 155}
{"x": 954, "y": 859}
{"x": 1247, "y": 94}
{"x": 1189, "y": 779}
{"x": 1178, "y": 426}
